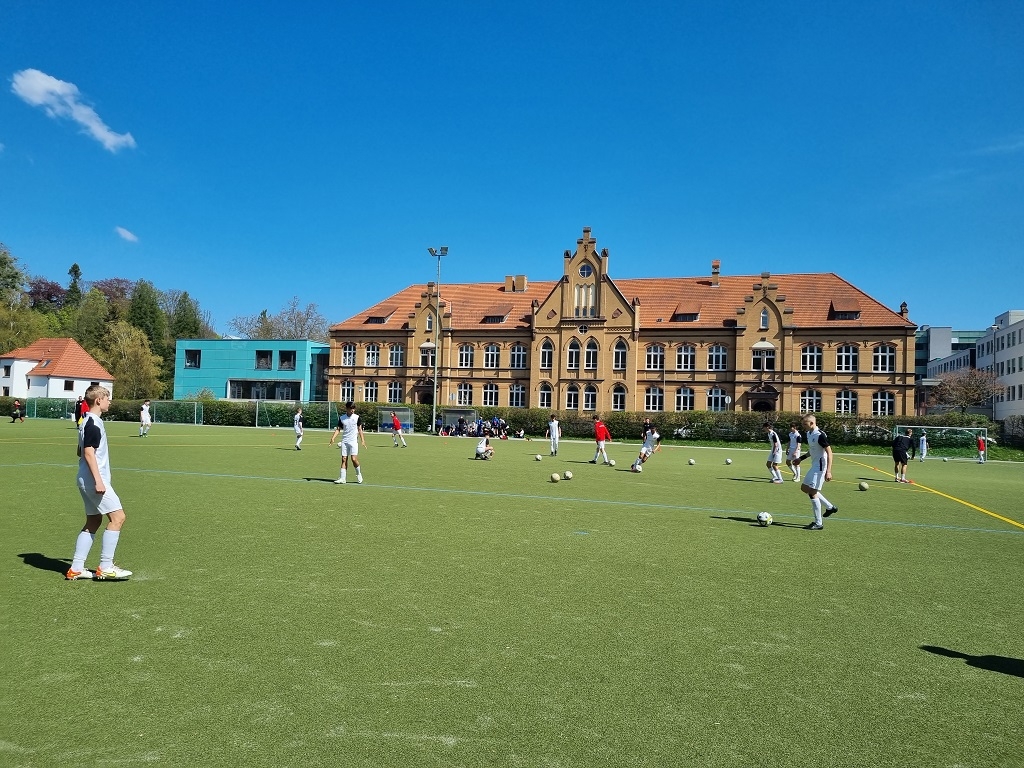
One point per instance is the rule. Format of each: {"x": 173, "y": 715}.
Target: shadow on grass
{"x": 44, "y": 563}
{"x": 753, "y": 521}
{"x": 318, "y": 479}
{"x": 1006, "y": 665}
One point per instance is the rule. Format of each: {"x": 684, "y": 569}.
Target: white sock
{"x": 107, "y": 547}
{"x": 816, "y": 509}
{"x": 82, "y": 546}
{"x": 342, "y": 475}
{"x": 823, "y": 500}
{"x": 298, "y": 441}
{"x": 359, "y": 472}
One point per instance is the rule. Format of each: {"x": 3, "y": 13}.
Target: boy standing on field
{"x": 297, "y": 422}
{"x": 351, "y": 435}
{"x": 396, "y": 431}
{"x": 553, "y": 432}
{"x": 97, "y": 494}
{"x": 145, "y": 419}
{"x": 794, "y": 450}
{"x": 774, "y": 452}
{"x": 820, "y": 452}
{"x": 601, "y": 436}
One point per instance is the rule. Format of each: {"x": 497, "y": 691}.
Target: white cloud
{"x": 1008, "y": 146}
{"x": 124, "y": 234}
{"x": 63, "y": 100}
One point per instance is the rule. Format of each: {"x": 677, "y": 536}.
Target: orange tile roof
{"x": 810, "y": 296}
{"x": 63, "y": 358}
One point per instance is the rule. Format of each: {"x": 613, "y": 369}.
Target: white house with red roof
{"x": 50, "y": 368}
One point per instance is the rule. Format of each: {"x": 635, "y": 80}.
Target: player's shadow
{"x": 749, "y": 480}
{"x": 753, "y": 521}
{"x": 44, "y": 563}
{"x": 318, "y": 480}
{"x": 1006, "y": 665}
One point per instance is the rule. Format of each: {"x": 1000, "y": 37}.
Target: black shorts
{"x": 900, "y": 457}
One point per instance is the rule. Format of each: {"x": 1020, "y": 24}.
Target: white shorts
{"x": 814, "y": 479}
{"x": 96, "y": 504}
{"x": 147, "y": 422}
{"x": 792, "y": 455}
{"x": 349, "y": 449}
{"x": 775, "y": 457}
{"x": 645, "y": 453}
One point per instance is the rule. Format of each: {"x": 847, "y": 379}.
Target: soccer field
{"x": 452, "y": 612}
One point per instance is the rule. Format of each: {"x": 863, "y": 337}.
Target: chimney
{"x": 904, "y": 310}
{"x": 716, "y": 266}
{"x": 519, "y": 284}
{"x": 509, "y": 284}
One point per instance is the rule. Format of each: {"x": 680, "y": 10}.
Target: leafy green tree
{"x": 12, "y": 279}
{"x": 127, "y": 355}
{"x": 186, "y": 321}
{"x": 73, "y": 297}
{"x": 91, "y": 321}
{"x": 118, "y": 291}
{"x": 145, "y": 314}
{"x": 20, "y": 326}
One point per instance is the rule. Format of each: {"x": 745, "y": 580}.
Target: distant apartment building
{"x": 1001, "y": 351}
{"x": 251, "y": 369}
{"x": 53, "y": 368}
{"x": 589, "y": 342}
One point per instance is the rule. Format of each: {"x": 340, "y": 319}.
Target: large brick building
{"x": 803, "y": 342}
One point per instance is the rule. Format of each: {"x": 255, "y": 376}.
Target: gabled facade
{"x": 51, "y": 368}
{"x": 251, "y": 369}
{"x": 803, "y": 342}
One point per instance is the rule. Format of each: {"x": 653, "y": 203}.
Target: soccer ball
{"x": 611, "y": 462}
{"x": 567, "y": 475}
{"x": 538, "y": 457}
{"x": 692, "y": 462}
{"x": 555, "y": 477}
{"x": 638, "y": 467}
{"x": 764, "y": 519}
{"x": 728, "y": 461}
{"x": 863, "y": 485}
{"x": 945, "y": 459}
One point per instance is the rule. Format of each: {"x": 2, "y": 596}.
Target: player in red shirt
{"x": 396, "y": 431}
{"x": 601, "y": 435}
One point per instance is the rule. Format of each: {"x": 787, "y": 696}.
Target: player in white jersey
{"x": 483, "y": 448}
{"x": 820, "y": 472}
{"x": 774, "y": 453}
{"x": 554, "y": 432}
{"x": 97, "y": 494}
{"x": 652, "y": 444}
{"x": 922, "y": 445}
{"x": 351, "y": 435}
{"x": 793, "y": 452}
{"x": 145, "y": 420}
{"x": 297, "y": 422}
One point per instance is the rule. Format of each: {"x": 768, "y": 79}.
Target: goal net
{"x": 405, "y": 418}
{"x": 948, "y": 442}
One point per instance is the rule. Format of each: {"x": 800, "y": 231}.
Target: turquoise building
{"x": 251, "y": 369}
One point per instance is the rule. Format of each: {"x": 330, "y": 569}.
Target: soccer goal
{"x": 956, "y": 438}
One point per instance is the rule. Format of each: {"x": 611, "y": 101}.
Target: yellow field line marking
{"x": 943, "y": 495}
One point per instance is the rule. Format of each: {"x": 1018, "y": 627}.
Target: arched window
{"x": 491, "y": 394}
{"x": 883, "y": 404}
{"x": 883, "y": 360}
{"x": 517, "y": 356}
{"x": 466, "y": 356}
{"x": 547, "y": 351}
{"x": 544, "y": 397}
{"x": 810, "y": 358}
{"x": 491, "y": 356}
{"x": 572, "y": 360}
{"x": 846, "y": 402}
{"x": 655, "y": 358}
{"x": 686, "y": 358}
{"x": 654, "y": 399}
{"x": 370, "y": 392}
{"x": 618, "y": 398}
{"x": 394, "y": 391}
{"x": 764, "y": 319}
{"x": 348, "y": 354}
{"x": 846, "y": 359}
{"x": 396, "y": 356}
{"x": 516, "y": 396}
{"x": 590, "y": 357}
{"x": 348, "y": 391}
{"x": 464, "y": 394}
{"x": 572, "y": 398}
{"x": 590, "y": 398}
{"x": 619, "y": 354}
{"x": 684, "y": 399}
{"x": 716, "y": 399}
{"x": 810, "y": 401}
{"x": 718, "y": 358}
{"x": 372, "y": 356}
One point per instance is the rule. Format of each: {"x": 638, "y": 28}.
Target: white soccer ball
{"x": 638, "y": 467}
{"x": 611, "y": 462}
{"x": 945, "y": 459}
{"x": 763, "y": 519}
{"x": 567, "y": 475}
{"x": 728, "y": 461}
{"x": 538, "y": 457}
{"x": 692, "y": 462}
{"x": 555, "y": 477}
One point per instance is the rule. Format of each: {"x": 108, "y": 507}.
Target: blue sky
{"x": 251, "y": 152}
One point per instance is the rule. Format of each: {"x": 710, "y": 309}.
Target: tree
{"x": 145, "y": 314}
{"x": 45, "y": 295}
{"x": 186, "y": 322}
{"x": 12, "y": 279}
{"x": 118, "y": 291}
{"x": 73, "y": 297}
{"x": 20, "y": 326}
{"x": 293, "y": 322}
{"x": 966, "y": 387}
{"x": 127, "y": 355}
{"x": 91, "y": 322}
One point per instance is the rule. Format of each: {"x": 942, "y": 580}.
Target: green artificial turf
{"x": 452, "y": 612}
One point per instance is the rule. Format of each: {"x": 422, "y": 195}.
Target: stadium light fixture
{"x": 436, "y": 254}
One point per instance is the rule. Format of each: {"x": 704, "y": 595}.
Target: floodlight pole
{"x": 436, "y": 254}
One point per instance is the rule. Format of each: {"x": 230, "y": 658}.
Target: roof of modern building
{"x": 60, "y": 358}
{"x": 814, "y": 298}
